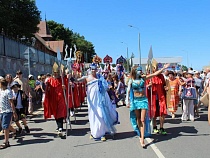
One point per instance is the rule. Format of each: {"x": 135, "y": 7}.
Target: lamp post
{"x": 138, "y": 42}
{"x": 187, "y": 57}
{"x": 127, "y": 56}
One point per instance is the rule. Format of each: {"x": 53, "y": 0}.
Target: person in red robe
{"x": 54, "y": 103}
{"x": 157, "y": 107}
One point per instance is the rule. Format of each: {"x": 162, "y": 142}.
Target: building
{"x": 174, "y": 61}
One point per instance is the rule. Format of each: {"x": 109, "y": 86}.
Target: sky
{"x": 174, "y": 28}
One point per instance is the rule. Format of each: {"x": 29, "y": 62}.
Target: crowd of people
{"x": 148, "y": 95}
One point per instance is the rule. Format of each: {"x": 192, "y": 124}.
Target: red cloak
{"x": 54, "y": 103}
{"x": 158, "y": 106}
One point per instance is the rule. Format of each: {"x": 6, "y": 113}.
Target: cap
{"x": 1, "y": 77}
{"x": 190, "y": 72}
{"x": 39, "y": 77}
{"x": 29, "y": 76}
{"x": 14, "y": 83}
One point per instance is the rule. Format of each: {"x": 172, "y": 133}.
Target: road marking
{"x": 155, "y": 148}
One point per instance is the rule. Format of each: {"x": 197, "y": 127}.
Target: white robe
{"x": 102, "y": 113}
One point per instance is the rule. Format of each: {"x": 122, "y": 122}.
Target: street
{"x": 188, "y": 139}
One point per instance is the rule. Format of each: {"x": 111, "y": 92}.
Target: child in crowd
{"x": 20, "y": 106}
{"x": 7, "y": 110}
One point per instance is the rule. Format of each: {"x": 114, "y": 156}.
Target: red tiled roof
{"x": 54, "y": 45}
{"x": 43, "y": 30}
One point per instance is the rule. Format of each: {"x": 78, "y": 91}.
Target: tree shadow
{"x": 41, "y": 120}
{"x": 22, "y": 142}
{"x": 122, "y": 135}
{"x": 78, "y": 132}
{"x": 175, "y": 132}
{"x": 79, "y": 122}
{"x": 81, "y": 115}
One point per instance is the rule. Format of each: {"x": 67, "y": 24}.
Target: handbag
{"x": 205, "y": 99}
{"x": 189, "y": 93}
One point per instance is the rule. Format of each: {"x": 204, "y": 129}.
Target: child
{"x": 7, "y": 110}
{"x": 19, "y": 104}
{"x": 120, "y": 91}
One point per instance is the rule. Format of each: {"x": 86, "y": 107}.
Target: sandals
{"x": 4, "y": 145}
{"x": 142, "y": 144}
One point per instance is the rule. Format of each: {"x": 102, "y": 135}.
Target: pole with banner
{"x": 64, "y": 93}
{"x": 69, "y": 64}
{"x": 150, "y": 57}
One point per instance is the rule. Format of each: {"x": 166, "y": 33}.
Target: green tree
{"x": 59, "y": 32}
{"x": 19, "y": 17}
{"x": 184, "y": 68}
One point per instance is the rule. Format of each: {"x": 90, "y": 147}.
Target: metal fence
{"x": 12, "y": 57}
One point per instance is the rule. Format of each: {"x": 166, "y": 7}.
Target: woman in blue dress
{"x": 138, "y": 103}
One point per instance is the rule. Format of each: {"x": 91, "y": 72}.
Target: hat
{"x": 19, "y": 72}
{"x": 39, "y": 77}
{"x": 139, "y": 68}
{"x": 15, "y": 83}
{"x": 1, "y": 77}
{"x": 190, "y": 72}
{"x": 55, "y": 67}
{"x": 29, "y": 76}
{"x": 196, "y": 72}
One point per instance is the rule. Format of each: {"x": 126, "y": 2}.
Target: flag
{"x": 150, "y": 55}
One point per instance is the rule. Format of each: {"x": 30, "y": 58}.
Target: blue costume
{"x": 136, "y": 103}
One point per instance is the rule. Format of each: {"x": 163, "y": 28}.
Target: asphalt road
{"x": 188, "y": 139}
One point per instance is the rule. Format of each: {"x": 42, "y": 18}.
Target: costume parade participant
{"x": 102, "y": 113}
{"x": 157, "y": 101}
{"x": 120, "y": 68}
{"x": 107, "y": 60}
{"x": 137, "y": 101}
{"x": 54, "y": 103}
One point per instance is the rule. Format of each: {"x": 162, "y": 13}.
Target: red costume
{"x": 158, "y": 106}
{"x": 54, "y": 103}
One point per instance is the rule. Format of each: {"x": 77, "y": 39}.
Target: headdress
{"x": 93, "y": 66}
{"x": 107, "y": 59}
{"x": 121, "y": 60}
{"x": 97, "y": 59}
{"x": 79, "y": 56}
{"x": 55, "y": 67}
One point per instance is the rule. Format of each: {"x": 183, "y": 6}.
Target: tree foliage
{"x": 184, "y": 68}
{"x": 59, "y": 32}
{"x": 19, "y": 17}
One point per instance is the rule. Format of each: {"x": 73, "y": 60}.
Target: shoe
{"x": 155, "y": 130}
{"x": 142, "y": 144}
{"x": 27, "y": 129}
{"x": 91, "y": 137}
{"x": 4, "y": 145}
{"x": 173, "y": 116}
{"x": 72, "y": 113}
{"x": 162, "y": 131}
{"x": 103, "y": 139}
{"x": 60, "y": 133}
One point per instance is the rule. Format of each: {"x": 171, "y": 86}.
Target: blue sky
{"x": 172, "y": 27}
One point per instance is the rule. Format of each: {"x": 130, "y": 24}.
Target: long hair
{"x": 133, "y": 73}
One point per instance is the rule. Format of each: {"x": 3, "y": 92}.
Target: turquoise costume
{"x": 138, "y": 103}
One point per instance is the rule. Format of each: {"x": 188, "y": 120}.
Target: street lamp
{"x": 187, "y": 57}
{"x": 139, "y": 42}
{"x": 127, "y": 56}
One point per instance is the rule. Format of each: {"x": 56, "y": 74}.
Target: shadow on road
{"x": 175, "y": 132}
{"x": 78, "y": 131}
{"x": 21, "y": 142}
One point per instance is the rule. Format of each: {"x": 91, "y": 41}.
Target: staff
{"x": 64, "y": 93}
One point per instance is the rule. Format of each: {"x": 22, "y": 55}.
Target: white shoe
{"x": 60, "y": 133}
{"x": 71, "y": 113}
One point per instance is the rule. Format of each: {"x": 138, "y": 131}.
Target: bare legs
{"x": 140, "y": 116}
